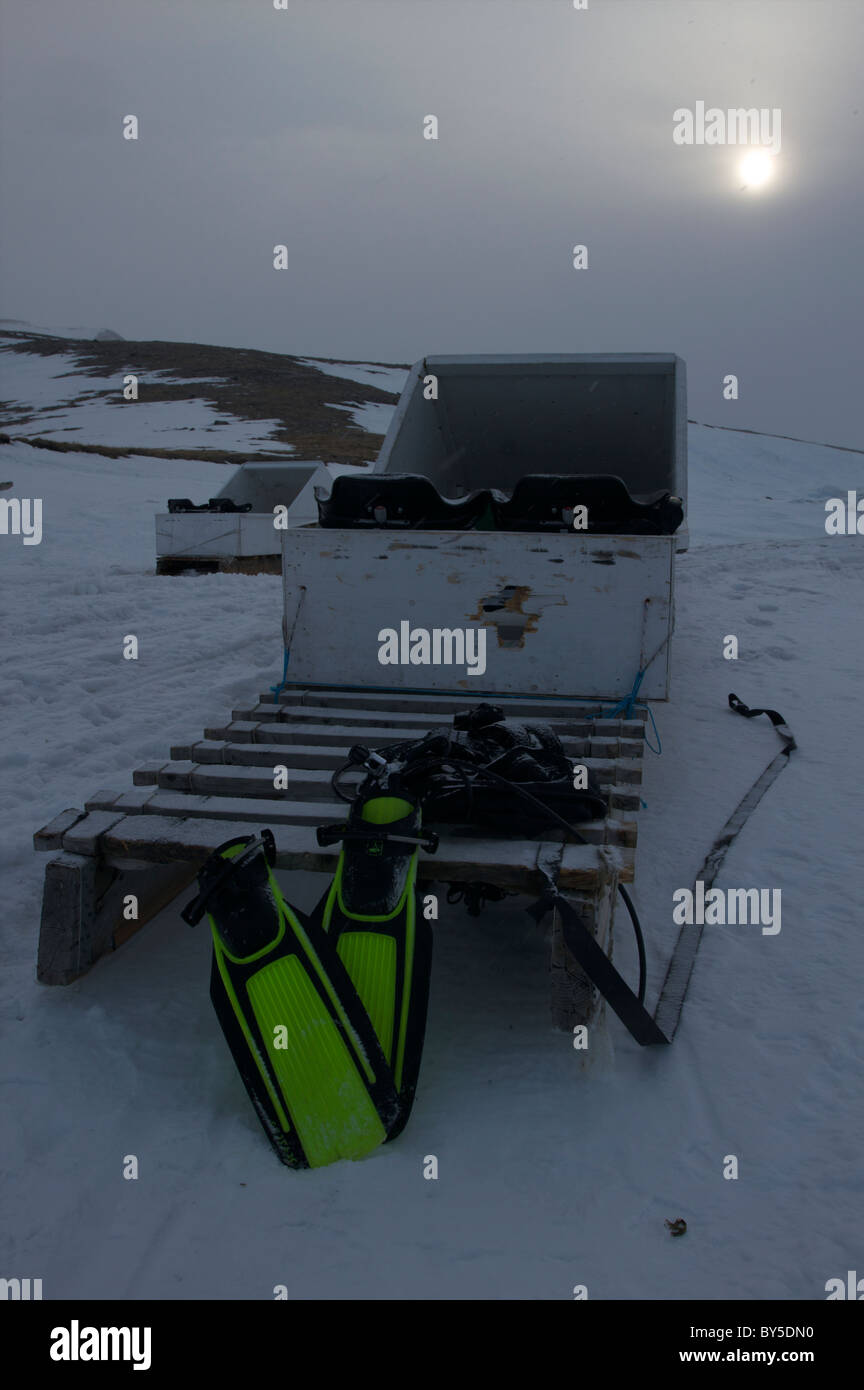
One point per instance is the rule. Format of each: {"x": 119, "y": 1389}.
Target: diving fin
{"x": 370, "y": 915}
{"x": 300, "y": 1036}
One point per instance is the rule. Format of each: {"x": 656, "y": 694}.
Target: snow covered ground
{"x": 368, "y": 373}
{"x": 374, "y": 416}
{"x": 550, "y": 1175}
{"x": 68, "y": 405}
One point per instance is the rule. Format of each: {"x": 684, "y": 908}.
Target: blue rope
{"x": 277, "y": 689}
{"x": 659, "y": 749}
{"x": 624, "y": 710}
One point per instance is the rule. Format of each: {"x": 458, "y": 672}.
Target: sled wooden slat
{"x": 51, "y": 835}
{"x": 304, "y": 783}
{"x": 432, "y": 717}
{"x": 149, "y": 839}
{"x": 147, "y": 775}
{"x": 84, "y": 836}
{"x": 508, "y": 864}
{"x": 336, "y": 741}
{"x": 212, "y": 753}
{"x": 520, "y": 707}
{"x": 252, "y": 811}
{"x": 101, "y": 800}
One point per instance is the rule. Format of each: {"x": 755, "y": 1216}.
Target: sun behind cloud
{"x": 757, "y": 168}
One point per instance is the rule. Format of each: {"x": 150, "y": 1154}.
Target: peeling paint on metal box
{"x": 514, "y": 622}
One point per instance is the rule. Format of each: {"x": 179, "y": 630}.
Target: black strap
{"x": 680, "y": 969}
{"x": 348, "y": 833}
{"x": 776, "y": 719}
{"x": 194, "y": 910}
{"x": 597, "y": 965}
{"x": 599, "y": 969}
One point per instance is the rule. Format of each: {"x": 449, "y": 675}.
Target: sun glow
{"x": 756, "y": 169}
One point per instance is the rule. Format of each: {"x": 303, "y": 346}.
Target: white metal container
{"x": 493, "y": 419}
{"x": 230, "y": 536}
{"x": 562, "y": 614}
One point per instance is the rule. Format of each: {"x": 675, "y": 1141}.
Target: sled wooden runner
{"x": 150, "y": 840}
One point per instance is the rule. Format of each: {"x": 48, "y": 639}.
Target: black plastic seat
{"x": 545, "y": 502}
{"x": 404, "y": 501}
{"x": 215, "y": 504}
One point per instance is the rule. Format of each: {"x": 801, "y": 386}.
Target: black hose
{"x": 628, "y": 902}
{"x": 640, "y": 940}
{"x": 463, "y": 771}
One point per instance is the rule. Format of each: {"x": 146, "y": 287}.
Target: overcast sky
{"x": 305, "y": 127}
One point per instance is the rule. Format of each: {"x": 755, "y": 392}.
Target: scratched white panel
{"x": 216, "y": 534}
{"x": 563, "y": 615}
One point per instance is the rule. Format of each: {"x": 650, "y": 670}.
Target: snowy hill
{"x": 551, "y": 1174}
{"x": 194, "y": 401}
